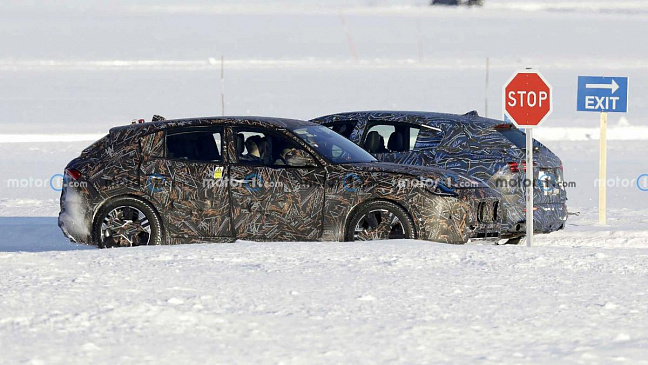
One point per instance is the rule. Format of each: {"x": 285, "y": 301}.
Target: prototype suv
{"x": 221, "y": 179}
{"x": 486, "y": 149}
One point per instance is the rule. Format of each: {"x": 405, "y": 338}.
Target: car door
{"x": 199, "y": 198}
{"x": 154, "y": 172}
{"x": 274, "y": 196}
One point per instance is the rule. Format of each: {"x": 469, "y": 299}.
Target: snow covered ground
{"x": 72, "y": 69}
{"x": 321, "y": 303}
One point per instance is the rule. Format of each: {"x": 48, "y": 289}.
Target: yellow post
{"x": 603, "y": 169}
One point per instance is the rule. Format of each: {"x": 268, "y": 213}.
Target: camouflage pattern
{"x": 221, "y": 201}
{"x": 470, "y": 144}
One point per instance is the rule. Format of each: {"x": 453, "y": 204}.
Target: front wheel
{"x": 127, "y": 222}
{"x": 379, "y": 220}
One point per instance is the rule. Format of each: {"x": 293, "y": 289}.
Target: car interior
{"x": 194, "y": 146}
{"x": 264, "y": 149}
{"x": 400, "y": 138}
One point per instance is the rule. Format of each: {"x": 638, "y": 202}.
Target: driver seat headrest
{"x": 372, "y": 143}
{"x": 396, "y": 142}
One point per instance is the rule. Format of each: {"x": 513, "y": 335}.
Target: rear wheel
{"x": 127, "y": 222}
{"x": 379, "y": 220}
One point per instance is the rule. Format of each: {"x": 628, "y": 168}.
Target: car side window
{"x": 263, "y": 148}
{"x": 428, "y": 138}
{"x": 391, "y": 138}
{"x": 344, "y": 128}
{"x": 195, "y": 145}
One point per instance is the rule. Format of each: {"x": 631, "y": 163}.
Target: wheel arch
{"x": 358, "y": 206}
{"x": 142, "y": 199}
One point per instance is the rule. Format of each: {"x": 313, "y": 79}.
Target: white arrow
{"x": 613, "y": 86}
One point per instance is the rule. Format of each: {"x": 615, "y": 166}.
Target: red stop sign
{"x": 527, "y": 99}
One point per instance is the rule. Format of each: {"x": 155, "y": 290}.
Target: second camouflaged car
{"x": 264, "y": 179}
{"x": 482, "y": 148}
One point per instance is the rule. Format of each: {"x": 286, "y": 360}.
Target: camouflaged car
{"x": 221, "y": 179}
{"x": 486, "y": 149}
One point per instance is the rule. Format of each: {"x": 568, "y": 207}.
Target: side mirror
{"x": 299, "y": 158}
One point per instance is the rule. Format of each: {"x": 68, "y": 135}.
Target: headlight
{"x": 449, "y": 183}
{"x": 438, "y": 187}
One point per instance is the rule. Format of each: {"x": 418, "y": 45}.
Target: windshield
{"x": 331, "y": 145}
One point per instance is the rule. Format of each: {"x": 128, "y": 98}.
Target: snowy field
{"x": 72, "y": 69}
{"x": 292, "y": 303}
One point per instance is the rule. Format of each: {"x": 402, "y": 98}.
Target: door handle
{"x": 247, "y": 206}
{"x": 243, "y": 181}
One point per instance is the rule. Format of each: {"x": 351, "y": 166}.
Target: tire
{"x": 126, "y": 222}
{"x": 379, "y": 220}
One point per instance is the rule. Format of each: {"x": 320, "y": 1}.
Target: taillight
{"x": 514, "y": 167}
{"x": 73, "y": 173}
{"x": 535, "y": 164}
{"x": 504, "y": 126}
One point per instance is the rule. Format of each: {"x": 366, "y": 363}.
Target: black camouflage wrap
{"x": 471, "y": 145}
{"x": 222, "y": 201}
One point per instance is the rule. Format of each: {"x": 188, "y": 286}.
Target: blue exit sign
{"x": 602, "y": 94}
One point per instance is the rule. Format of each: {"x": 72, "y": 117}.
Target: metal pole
{"x": 419, "y": 42}
{"x": 603, "y": 170}
{"x": 530, "y": 181}
{"x": 354, "y": 52}
{"x": 223, "y": 84}
{"x": 486, "y": 88}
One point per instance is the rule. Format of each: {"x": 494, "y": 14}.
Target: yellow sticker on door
{"x": 218, "y": 173}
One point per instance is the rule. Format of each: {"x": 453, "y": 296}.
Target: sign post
{"x": 603, "y": 170}
{"x": 529, "y": 187}
{"x": 602, "y": 94}
{"x": 528, "y": 100}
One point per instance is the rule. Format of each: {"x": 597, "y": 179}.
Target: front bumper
{"x": 473, "y": 214}
{"x": 487, "y": 223}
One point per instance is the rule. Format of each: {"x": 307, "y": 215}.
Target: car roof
{"x": 416, "y": 117}
{"x": 149, "y": 127}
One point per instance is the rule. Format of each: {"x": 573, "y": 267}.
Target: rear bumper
{"x": 547, "y": 218}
